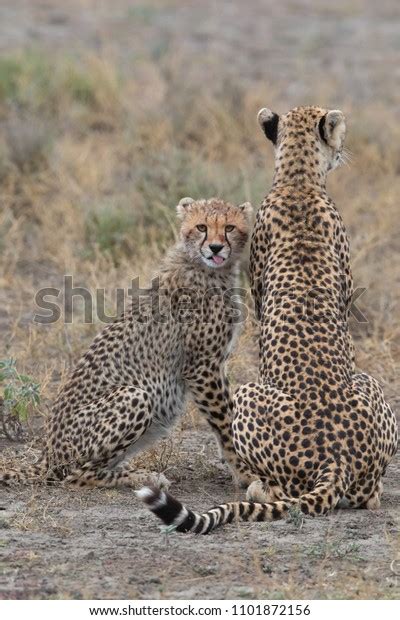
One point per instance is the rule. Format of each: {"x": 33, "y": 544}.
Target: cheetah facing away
{"x": 312, "y": 430}
{"x": 130, "y": 386}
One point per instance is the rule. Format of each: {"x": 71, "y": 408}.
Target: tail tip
{"x": 146, "y": 493}
{"x": 151, "y": 496}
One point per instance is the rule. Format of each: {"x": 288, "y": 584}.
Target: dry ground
{"x": 103, "y": 544}
{"x": 109, "y": 114}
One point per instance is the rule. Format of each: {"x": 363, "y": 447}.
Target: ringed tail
{"x": 179, "y": 518}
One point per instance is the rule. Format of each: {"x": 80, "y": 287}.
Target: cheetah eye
{"x": 229, "y": 228}
{"x": 201, "y": 227}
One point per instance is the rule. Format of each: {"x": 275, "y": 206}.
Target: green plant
{"x": 26, "y": 80}
{"x": 337, "y": 549}
{"x": 10, "y": 71}
{"x": 21, "y": 394}
{"x": 296, "y": 517}
{"x": 80, "y": 85}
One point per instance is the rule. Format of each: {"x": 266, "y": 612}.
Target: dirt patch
{"x": 67, "y": 543}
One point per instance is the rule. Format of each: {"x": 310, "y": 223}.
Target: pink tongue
{"x": 218, "y": 260}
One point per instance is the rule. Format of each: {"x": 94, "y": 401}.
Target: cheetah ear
{"x": 268, "y": 121}
{"x": 183, "y": 205}
{"x": 332, "y": 128}
{"x": 247, "y": 209}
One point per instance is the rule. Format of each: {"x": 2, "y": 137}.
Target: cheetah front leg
{"x": 209, "y": 387}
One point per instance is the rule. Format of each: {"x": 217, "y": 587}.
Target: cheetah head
{"x": 306, "y": 136}
{"x": 214, "y": 232}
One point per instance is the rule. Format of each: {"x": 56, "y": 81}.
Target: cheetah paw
{"x": 256, "y": 492}
{"x": 243, "y": 479}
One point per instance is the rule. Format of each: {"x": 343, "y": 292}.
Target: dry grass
{"x": 95, "y": 198}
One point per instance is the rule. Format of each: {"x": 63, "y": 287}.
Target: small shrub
{"x": 20, "y": 395}
{"x": 26, "y": 80}
{"x": 296, "y": 517}
{"x": 79, "y": 85}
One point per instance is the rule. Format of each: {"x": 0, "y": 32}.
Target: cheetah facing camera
{"x": 313, "y": 430}
{"x": 130, "y": 386}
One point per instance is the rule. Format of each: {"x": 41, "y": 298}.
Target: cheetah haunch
{"x": 313, "y": 430}
{"x": 131, "y": 385}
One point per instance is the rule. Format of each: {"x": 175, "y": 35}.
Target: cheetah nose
{"x": 215, "y": 247}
